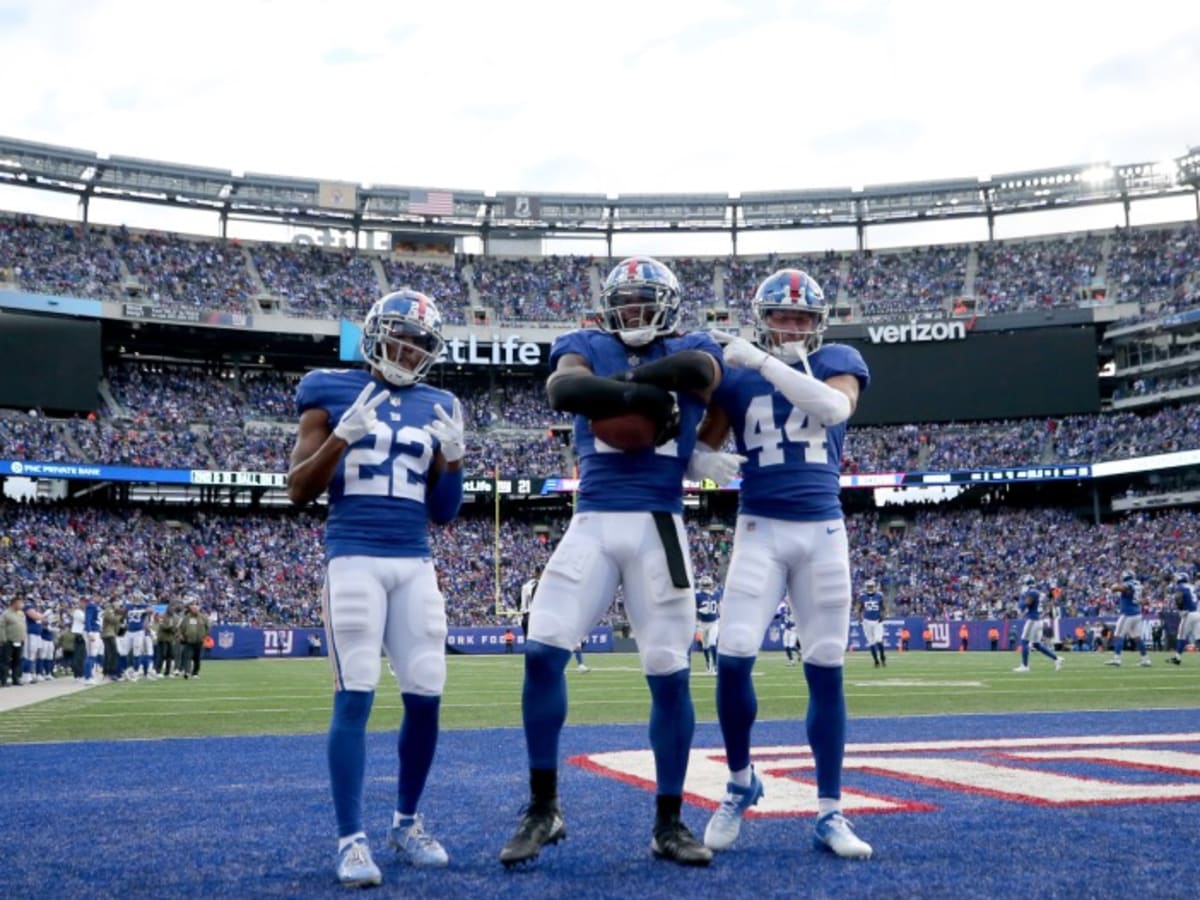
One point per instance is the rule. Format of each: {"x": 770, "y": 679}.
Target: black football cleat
{"x": 673, "y": 841}
{"x": 539, "y": 826}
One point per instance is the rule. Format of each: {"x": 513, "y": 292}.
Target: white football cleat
{"x": 1021, "y": 669}
{"x": 410, "y": 840}
{"x": 834, "y": 833}
{"x": 355, "y": 867}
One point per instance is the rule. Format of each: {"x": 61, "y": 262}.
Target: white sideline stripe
{"x": 1105, "y": 740}
{"x": 1175, "y": 759}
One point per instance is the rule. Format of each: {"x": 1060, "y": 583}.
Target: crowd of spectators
{"x": 267, "y": 568}
{"x": 188, "y": 416}
{"x": 314, "y": 281}
{"x": 1037, "y": 274}
{"x": 553, "y": 289}
{"x": 1152, "y": 266}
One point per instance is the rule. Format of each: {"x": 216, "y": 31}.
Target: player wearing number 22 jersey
{"x": 389, "y": 450}
{"x": 786, "y": 402}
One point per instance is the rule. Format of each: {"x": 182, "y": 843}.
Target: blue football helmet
{"x": 871, "y": 586}
{"x": 1182, "y": 578}
{"x": 1128, "y": 576}
{"x": 402, "y": 337}
{"x": 790, "y": 291}
{"x": 1028, "y": 582}
{"x": 706, "y": 583}
{"x": 639, "y": 301}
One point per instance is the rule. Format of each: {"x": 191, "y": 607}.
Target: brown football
{"x": 628, "y": 431}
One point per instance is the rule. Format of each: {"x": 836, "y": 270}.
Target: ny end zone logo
{"x": 1031, "y": 771}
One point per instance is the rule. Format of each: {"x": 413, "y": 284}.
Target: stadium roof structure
{"x": 324, "y": 203}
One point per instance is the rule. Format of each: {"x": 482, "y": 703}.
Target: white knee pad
{"x": 828, "y": 653}
{"x": 425, "y": 674}
{"x": 663, "y": 660}
{"x": 739, "y": 640}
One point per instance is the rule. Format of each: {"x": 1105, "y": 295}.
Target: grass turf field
{"x": 293, "y": 696}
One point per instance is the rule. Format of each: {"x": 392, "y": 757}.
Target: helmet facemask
{"x": 639, "y": 301}
{"x": 401, "y": 338}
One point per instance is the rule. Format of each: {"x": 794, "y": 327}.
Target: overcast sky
{"x": 610, "y": 97}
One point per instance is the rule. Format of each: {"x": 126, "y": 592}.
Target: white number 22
{"x": 415, "y": 448}
{"x": 762, "y": 434}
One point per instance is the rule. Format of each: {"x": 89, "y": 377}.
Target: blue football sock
{"x": 347, "y": 754}
{"x": 882, "y": 653}
{"x": 672, "y": 724}
{"x": 544, "y": 702}
{"x": 1045, "y": 651}
{"x": 825, "y": 723}
{"x": 416, "y": 745}
{"x": 737, "y": 707}
{"x": 1025, "y": 653}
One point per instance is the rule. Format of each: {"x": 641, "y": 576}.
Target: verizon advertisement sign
{"x": 916, "y": 332}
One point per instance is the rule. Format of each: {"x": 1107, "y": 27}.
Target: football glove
{"x": 448, "y": 431}
{"x": 359, "y": 420}
{"x": 739, "y": 352}
{"x": 713, "y": 465}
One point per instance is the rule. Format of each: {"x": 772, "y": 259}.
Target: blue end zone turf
{"x": 242, "y": 817}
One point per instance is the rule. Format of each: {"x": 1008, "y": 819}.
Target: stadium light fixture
{"x": 1098, "y": 174}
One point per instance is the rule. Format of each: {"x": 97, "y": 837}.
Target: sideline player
{"x": 627, "y": 530}
{"x": 789, "y": 638}
{"x": 787, "y": 401}
{"x": 389, "y": 448}
{"x": 1129, "y": 622}
{"x": 1029, "y": 604}
{"x": 870, "y": 615}
{"x": 708, "y": 612}
{"x": 1189, "y": 617}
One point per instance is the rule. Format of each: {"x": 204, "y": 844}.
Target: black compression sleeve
{"x": 599, "y": 398}
{"x": 687, "y": 370}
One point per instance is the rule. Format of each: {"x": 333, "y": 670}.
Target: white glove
{"x": 449, "y": 432}
{"x": 713, "y": 465}
{"x": 359, "y": 420}
{"x": 739, "y": 352}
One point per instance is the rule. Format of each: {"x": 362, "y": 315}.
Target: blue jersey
{"x": 1129, "y": 597}
{"x": 91, "y": 617}
{"x": 1031, "y": 600}
{"x": 708, "y": 606}
{"x": 642, "y": 480}
{"x": 1186, "y": 599}
{"x": 783, "y": 615}
{"x": 793, "y": 463}
{"x": 377, "y": 495}
{"x": 135, "y": 618}
{"x": 872, "y": 607}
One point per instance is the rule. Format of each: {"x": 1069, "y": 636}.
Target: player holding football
{"x": 1029, "y": 603}
{"x": 787, "y": 401}
{"x": 870, "y": 616}
{"x": 389, "y": 448}
{"x": 627, "y": 529}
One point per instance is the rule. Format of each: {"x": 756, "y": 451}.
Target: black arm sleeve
{"x": 687, "y": 370}
{"x": 599, "y": 398}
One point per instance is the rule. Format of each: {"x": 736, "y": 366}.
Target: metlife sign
{"x": 916, "y": 332}
{"x": 475, "y": 350}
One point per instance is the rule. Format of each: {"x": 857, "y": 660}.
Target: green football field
{"x": 293, "y": 696}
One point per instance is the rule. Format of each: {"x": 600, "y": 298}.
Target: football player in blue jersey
{"x": 141, "y": 648}
{"x": 1129, "y": 622}
{"x": 1189, "y": 616}
{"x": 627, "y": 530}
{"x": 1029, "y": 603}
{"x": 708, "y": 611}
{"x": 787, "y": 399}
{"x": 870, "y": 616}
{"x": 389, "y": 449}
{"x": 787, "y": 623}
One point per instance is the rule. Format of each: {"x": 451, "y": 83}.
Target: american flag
{"x": 431, "y": 203}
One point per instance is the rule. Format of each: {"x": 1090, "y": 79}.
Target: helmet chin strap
{"x": 638, "y": 337}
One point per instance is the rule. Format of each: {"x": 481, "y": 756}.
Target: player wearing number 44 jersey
{"x": 389, "y": 449}
{"x": 787, "y": 401}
